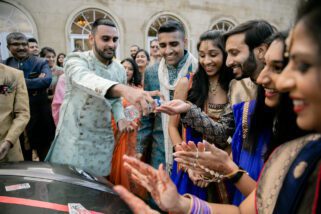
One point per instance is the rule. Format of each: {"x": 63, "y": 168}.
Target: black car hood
{"x": 56, "y": 186}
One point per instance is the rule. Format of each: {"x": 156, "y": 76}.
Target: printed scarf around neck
{"x": 165, "y": 88}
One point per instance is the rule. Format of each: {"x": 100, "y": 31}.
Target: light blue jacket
{"x": 84, "y": 135}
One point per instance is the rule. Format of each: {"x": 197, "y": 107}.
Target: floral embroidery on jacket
{"x": 7, "y": 87}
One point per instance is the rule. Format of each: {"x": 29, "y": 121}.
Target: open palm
{"x": 157, "y": 182}
{"x": 174, "y": 107}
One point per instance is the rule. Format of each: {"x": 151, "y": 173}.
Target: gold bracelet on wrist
{"x": 234, "y": 177}
{"x": 232, "y": 174}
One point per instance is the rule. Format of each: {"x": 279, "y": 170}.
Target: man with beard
{"x": 40, "y": 129}
{"x": 246, "y": 49}
{"x": 84, "y": 136}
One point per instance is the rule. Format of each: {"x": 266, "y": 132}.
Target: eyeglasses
{"x": 17, "y": 44}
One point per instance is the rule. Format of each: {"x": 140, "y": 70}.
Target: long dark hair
{"x": 57, "y": 60}
{"x": 137, "y": 78}
{"x": 198, "y": 93}
{"x": 279, "y": 121}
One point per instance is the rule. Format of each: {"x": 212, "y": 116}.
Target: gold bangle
{"x": 191, "y": 204}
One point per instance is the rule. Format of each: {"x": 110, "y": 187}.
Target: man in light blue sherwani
{"x": 84, "y": 136}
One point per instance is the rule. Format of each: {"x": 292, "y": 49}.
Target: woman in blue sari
{"x": 207, "y": 89}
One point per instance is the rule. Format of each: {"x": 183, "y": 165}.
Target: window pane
{"x": 82, "y": 44}
{"x": 88, "y": 16}
{"x": 100, "y": 15}
{"x": 75, "y": 29}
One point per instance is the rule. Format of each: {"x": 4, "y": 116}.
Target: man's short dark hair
{"x": 256, "y": 32}
{"x": 32, "y": 40}
{"x": 101, "y": 21}
{"x": 46, "y": 50}
{"x": 135, "y": 46}
{"x": 171, "y": 26}
{"x": 15, "y": 36}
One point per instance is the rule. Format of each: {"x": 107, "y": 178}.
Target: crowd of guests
{"x": 238, "y": 130}
{"x": 278, "y": 129}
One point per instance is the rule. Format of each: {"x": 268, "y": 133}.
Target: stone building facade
{"x": 65, "y": 24}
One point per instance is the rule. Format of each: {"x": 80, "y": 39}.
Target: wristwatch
{"x": 237, "y": 175}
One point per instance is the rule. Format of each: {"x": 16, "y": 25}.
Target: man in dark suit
{"x": 40, "y": 130}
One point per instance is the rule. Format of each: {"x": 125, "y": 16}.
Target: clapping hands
{"x": 205, "y": 155}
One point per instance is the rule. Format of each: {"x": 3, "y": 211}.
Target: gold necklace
{"x": 213, "y": 87}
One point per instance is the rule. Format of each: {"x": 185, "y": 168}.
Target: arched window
{"x": 81, "y": 27}
{"x": 224, "y": 25}
{"x": 12, "y": 19}
{"x": 155, "y": 25}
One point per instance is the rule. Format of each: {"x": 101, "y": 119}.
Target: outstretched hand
{"x": 141, "y": 99}
{"x": 137, "y": 205}
{"x": 174, "y": 107}
{"x": 157, "y": 182}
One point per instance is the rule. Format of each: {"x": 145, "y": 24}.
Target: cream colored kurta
{"x": 14, "y": 110}
{"x": 84, "y": 136}
{"x": 242, "y": 91}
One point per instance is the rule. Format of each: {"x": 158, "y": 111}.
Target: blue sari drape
{"x": 252, "y": 163}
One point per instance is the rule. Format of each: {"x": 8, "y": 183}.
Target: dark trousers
{"x": 25, "y": 147}
{"x": 41, "y": 128}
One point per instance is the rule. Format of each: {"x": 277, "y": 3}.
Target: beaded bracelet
{"x": 215, "y": 176}
{"x": 234, "y": 177}
{"x": 198, "y": 206}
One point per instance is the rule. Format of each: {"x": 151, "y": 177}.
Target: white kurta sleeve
{"x": 77, "y": 70}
